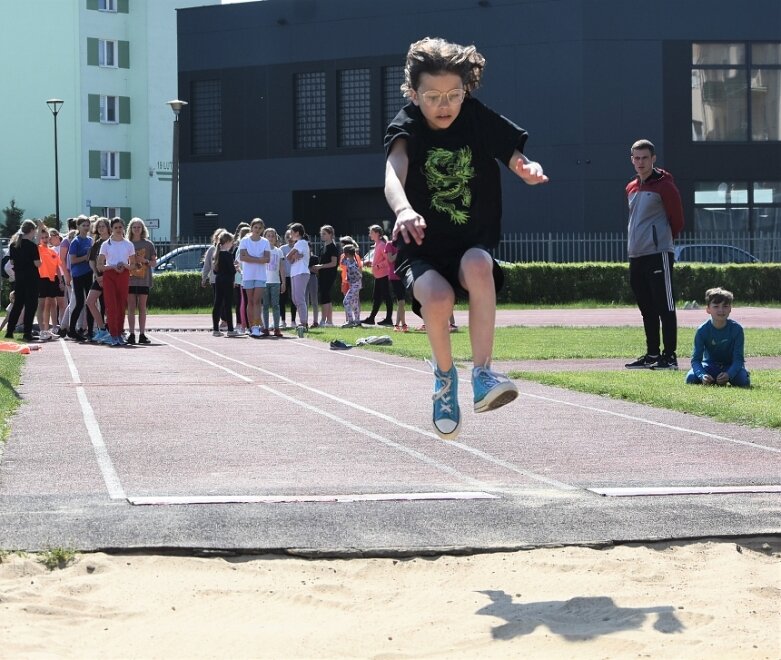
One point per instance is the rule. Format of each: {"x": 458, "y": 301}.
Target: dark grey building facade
{"x": 289, "y": 99}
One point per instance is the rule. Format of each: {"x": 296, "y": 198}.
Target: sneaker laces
{"x": 487, "y": 378}
{"x": 443, "y": 394}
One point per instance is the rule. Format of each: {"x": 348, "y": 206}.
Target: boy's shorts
{"x": 410, "y": 270}
{"x": 254, "y": 284}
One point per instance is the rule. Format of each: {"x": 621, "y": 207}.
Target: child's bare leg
{"x": 476, "y": 276}
{"x": 43, "y": 314}
{"x": 436, "y": 299}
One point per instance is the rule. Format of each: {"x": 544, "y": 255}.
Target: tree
{"x": 50, "y": 220}
{"x": 13, "y": 219}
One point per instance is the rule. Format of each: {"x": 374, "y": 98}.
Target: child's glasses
{"x": 434, "y": 97}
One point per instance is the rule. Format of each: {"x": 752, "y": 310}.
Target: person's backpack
{"x": 3, "y": 263}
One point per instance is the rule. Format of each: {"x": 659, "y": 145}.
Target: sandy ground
{"x": 696, "y": 600}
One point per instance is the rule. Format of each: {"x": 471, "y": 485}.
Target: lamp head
{"x": 55, "y": 105}
{"x": 176, "y": 105}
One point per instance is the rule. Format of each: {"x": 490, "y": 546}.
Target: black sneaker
{"x": 644, "y": 362}
{"x": 667, "y": 361}
{"x": 367, "y": 321}
{"x": 131, "y": 339}
{"x": 76, "y": 336}
{"x": 143, "y": 339}
{"x": 386, "y": 322}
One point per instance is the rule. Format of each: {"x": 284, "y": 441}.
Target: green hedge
{"x": 532, "y": 283}
{"x": 609, "y": 282}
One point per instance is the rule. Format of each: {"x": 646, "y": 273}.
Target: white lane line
{"x": 392, "y": 420}
{"x": 157, "y": 500}
{"x": 107, "y": 471}
{"x": 633, "y": 418}
{"x": 339, "y": 420}
{"x": 639, "y": 491}
{"x": 671, "y": 427}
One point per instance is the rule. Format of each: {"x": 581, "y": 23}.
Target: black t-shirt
{"x": 94, "y": 251}
{"x": 23, "y": 258}
{"x": 453, "y": 177}
{"x": 328, "y": 252}
{"x": 225, "y": 268}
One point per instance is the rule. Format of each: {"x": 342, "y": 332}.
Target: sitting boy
{"x": 718, "y": 345}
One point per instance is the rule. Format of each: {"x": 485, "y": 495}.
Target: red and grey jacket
{"x": 655, "y": 214}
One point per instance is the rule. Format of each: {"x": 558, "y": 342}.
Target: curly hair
{"x": 434, "y": 55}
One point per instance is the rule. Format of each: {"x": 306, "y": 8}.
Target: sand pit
{"x": 696, "y": 600}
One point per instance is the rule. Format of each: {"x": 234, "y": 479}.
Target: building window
{"x": 107, "y": 53}
{"x": 206, "y": 116}
{"x": 310, "y": 116}
{"x": 354, "y": 128}
{"x": 392, "y": 98}
{"x": 736, "y": 92}
{"x": 107, "y": 5}
{"x": 106, "y": 211}
{"x": 752, "y": 207}
{"x": 109, "y": 164}
{"x": 109, "y": 109}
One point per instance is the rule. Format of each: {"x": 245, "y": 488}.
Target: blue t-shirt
{"x": 80, "y": 247}
{"x": 722, "y": 347}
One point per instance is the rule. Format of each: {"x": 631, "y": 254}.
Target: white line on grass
{"x": 109, "y": 474}
{"x": 392, "y": 420}
{"x": 339, "y": 420}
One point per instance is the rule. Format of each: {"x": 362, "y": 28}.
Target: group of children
{"x": 81, "y": 285}
{"x": 252, "y": 270}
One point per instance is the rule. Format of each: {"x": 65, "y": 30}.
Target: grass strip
{"x": 758, "y": 406}
{"x": 547, "y": 343}
{"x": 10, "y": 377}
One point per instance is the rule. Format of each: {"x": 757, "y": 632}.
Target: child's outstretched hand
{"x": 530, "y": 171}
{"x": 410, "y": 225}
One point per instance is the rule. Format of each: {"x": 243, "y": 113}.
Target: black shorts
{"x": 325, "y": 283}
{"x": 49, "y": 288}
{"x": 139, "y": 290}
{"x": 447, "y": 266}
{"x": 95, "y": 286}
{"x": 399, "y": 292}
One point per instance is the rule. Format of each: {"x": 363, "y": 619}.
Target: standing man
{"x": 655, "y": 219}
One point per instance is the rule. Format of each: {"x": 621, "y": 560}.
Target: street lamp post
{"x": 176, "y": 106}
{"x": 54, "y": 106}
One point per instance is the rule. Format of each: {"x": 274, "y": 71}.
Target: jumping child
{"x": 442, "y": 183}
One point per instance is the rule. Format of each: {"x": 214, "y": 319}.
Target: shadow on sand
{"x": 579, "y": 618}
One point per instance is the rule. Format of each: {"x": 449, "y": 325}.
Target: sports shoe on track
{"x": 668, "y": 361}
{"x": 131, "y": 339}
{"x": 216, "y": 333}
{"x": 386, "y": 322}
{"x": 643, "y": 362}
{"x": 143, "y": 339}
{"x": 491, "y": 389}
{"x": 447, "y": 414}
{"x": 255, "y": 331}
{"x": 278, "y": 333}
{"x": 100, "y": 335}
{"x": 232, "y": 333}
{"x": 368, "y": 321}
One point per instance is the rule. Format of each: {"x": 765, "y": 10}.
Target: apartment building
{"x": 113, "y": 63}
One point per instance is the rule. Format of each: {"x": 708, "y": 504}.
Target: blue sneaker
{"x": 99, "y": 336}
{"x": 447, "y": 414}
{"x": 492, "y": 390}
{"x": 121, "y": 341}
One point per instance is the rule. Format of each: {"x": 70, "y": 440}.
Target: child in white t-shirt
{"x": 116, "y": 256}
{"x": 299, "y": 273}
{"x": 254, "y": 253}
{"x": 275, "y": 282}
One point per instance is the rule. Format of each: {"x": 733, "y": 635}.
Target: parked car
{"x": 713, "y": 253}
{"x": 185, "y": 259}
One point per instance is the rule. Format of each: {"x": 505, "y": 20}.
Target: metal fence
{"x": 575, "y": 247}
{"x": 611, "y": 246}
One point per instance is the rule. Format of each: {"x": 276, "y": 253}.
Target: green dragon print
{"x": 448, "y": 174}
